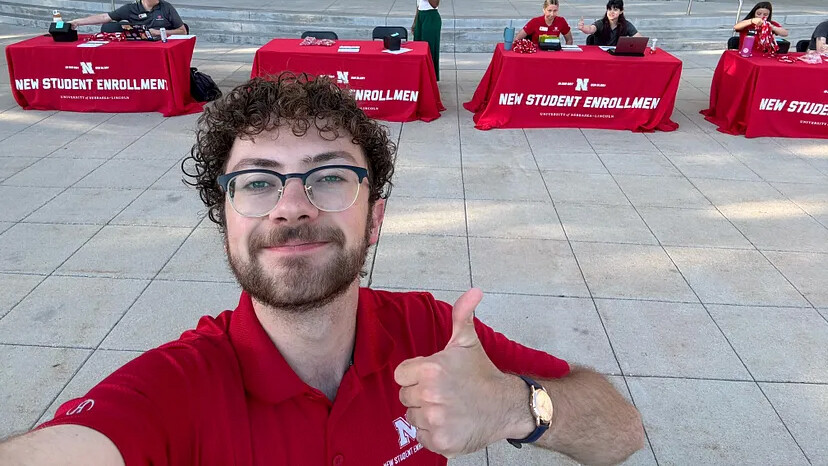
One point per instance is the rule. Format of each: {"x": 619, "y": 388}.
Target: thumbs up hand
{"x": 581, "y": 23}
{"x": 456, "y": 398}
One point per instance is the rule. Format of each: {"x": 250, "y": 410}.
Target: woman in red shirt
{"x": 760, "y": 13}
{"x": 549, "y": 24}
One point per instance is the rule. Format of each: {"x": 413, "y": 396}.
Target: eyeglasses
{"x": 255, "y": 192}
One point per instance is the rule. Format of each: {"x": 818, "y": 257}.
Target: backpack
{"x": 202, "y": 86}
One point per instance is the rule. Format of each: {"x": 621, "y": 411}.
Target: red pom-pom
{"x": 524, "y": 46}
{"x": 767, "y": 43}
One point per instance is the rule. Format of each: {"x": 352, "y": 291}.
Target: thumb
{"x": 462, "y": 319}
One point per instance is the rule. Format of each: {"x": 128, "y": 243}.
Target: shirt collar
{"x": 266, "y": 374}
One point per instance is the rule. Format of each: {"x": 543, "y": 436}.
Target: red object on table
{"x": 761, "y": 96}
{"x": 391, "y": 87}
{"x": 114, "y": 77}
{"x": 587, "y": 89}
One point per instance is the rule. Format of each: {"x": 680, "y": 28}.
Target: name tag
{"x": 142, "y": 15}
{"x": 543, "y": 28}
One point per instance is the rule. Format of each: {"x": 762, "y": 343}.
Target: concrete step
{"x": 461, "y": 34}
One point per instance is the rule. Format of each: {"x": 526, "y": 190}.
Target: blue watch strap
{"x": 540, "y": 429}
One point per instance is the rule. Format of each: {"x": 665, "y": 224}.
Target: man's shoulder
{"x": 400, "y": 301}
{"x": 410, "y": 309}
{"x": 206, "y": 348}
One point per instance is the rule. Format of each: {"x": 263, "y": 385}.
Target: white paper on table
{"x": 397, "y": 52}
{"x": 348, "y": 48}
{"x": 571, "y": 48}
{"x": 93, "y": 43}
{"x": 180, "y": 36}
{"x": 606, "y": 47}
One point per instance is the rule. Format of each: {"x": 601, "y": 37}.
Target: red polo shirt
{"x": 223, "y": 394}
{"x": 537, "y": 27}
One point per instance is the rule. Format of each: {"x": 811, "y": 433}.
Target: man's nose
{"x": 294, "y": 204}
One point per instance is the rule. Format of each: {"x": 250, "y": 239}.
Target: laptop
{"x": 138, "y": 32}
{"x": 630, "y": 46}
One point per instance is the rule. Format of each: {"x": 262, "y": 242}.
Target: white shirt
{"x": 423, "y": 5}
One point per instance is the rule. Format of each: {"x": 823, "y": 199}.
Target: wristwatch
{"x": 540, "y": 405}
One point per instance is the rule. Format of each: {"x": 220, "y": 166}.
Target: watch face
{"x": 543, "y": 406}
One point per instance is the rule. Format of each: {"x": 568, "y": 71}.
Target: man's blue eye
{"x": 257, "y": 185}
{"x": 331, "y": 179}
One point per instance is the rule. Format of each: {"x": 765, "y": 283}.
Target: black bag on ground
{"x": 202, "y": 86}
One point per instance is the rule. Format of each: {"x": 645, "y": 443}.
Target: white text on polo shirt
{"x": 375, "y": 95}
{"x": 796, "y": 106}
{"x": 404, "y": 455}
{"x": 406, "y": 433}
{"x": 547, "y": 100}
{"x": 89, "y": 84}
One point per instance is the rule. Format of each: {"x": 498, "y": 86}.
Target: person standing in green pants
{"x": 427, "y": 24}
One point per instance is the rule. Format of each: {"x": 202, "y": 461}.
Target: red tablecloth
{"x": 761, "y": 96}
{"x": 386, "y": 86}
{"x": 588, "y": 89}
{"x": 115, "y": 77}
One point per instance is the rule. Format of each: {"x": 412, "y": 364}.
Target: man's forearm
{"x": 592, "y": 422}
{"x": 171, "y": 32}
{"x": 90, "y": 20}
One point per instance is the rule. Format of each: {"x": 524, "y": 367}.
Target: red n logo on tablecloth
{"x": 582, "y": 84}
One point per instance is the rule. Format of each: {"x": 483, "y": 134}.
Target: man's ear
{"x": 377, "y": 215}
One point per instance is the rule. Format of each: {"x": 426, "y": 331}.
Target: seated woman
{"x": 613, "y": 25}
{"x": 549, "y": 24}
{"x": 760, "y": 13}
{"x": 819, "y": 39}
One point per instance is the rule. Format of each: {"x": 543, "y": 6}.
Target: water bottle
{"x": 56, "y": 17}
{"x": 653, "y": 48}
{"x": 747, "y": 45}
{"x": 163, "y": 34}
{"x": 508, "y": 38}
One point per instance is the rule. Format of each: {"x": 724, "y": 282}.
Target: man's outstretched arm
{"x": 592, "y": 422}
{"x": 65, "y": 444}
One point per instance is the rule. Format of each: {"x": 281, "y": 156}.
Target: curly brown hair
{"x": 298, "y": 102}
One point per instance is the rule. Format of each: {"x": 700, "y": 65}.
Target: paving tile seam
{"x": 606, "y": 373}
{"x": 34, "y": 161}
{"x": 761, "y": 306}
{"x": 586, "y": 283}
{"x": 89, "y": 239}
{"x": 677, "y": 268}
{"x": 744, "y": 235}
{"x": 463, "y": 171}
{"x": 90, "y": 173}
{"x": 782, "y": 420}
{"x": 611, "y": 298}
{"x": 726, "y": 379}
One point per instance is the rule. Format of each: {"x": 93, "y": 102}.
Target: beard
{"x": 302, "y": 285}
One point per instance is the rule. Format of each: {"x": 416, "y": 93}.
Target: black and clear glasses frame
{"x": 225, "y": 180}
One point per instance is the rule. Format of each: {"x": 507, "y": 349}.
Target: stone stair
{"x": 256, "y": 27}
